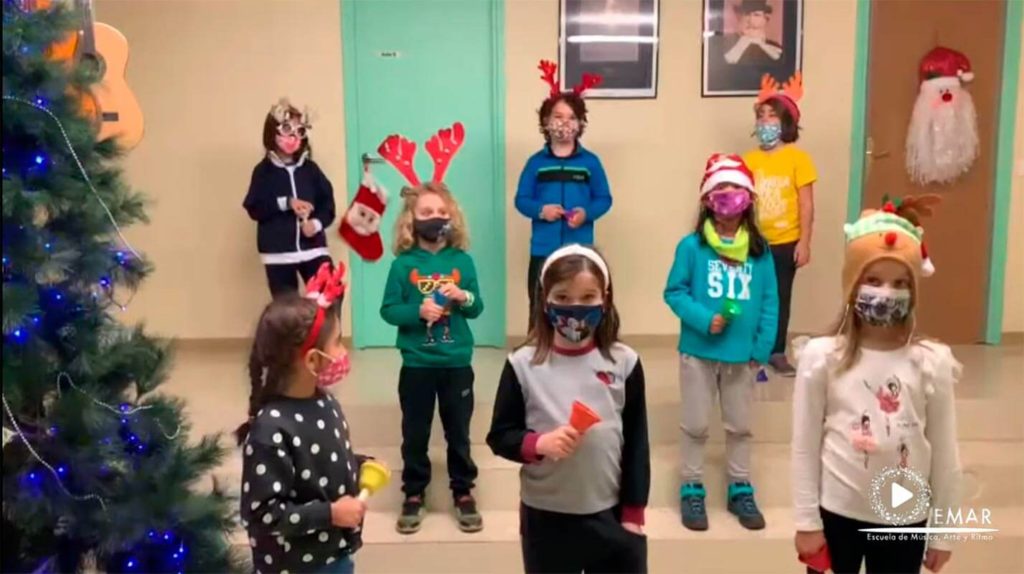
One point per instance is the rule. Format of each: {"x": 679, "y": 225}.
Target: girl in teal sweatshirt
{"x": 722, "y": 287}
{"x": 430, "y": 295}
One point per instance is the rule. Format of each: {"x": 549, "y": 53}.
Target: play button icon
{"x": 898, "y": 496}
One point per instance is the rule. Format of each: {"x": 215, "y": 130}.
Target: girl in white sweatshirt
{"x": 873, "y": 398}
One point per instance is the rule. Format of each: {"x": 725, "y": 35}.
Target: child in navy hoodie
{"x": 722, "y": 287}
{"x": 563, "y": 189}
{"x": 291, "y": 201}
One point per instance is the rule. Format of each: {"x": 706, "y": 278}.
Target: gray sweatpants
{"x": 700, "y": 382}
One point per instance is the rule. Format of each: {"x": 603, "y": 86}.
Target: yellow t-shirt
{"x": 778, "y": 174}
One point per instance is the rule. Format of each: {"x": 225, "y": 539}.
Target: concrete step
{"x": 994, "y": 473}
{"x": 441, "y": 548}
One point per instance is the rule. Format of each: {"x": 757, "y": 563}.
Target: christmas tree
{"x": 98, "y": 471}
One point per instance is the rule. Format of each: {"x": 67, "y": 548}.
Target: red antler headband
{"x": 549, "y": 71}
{"x": 442, "y": 147}
{"x": 326, "y": 288}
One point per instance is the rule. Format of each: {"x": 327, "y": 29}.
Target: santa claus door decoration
{"x": 942, "y": 141}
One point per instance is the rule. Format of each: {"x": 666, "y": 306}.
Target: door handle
{"x": 871, "y": 153}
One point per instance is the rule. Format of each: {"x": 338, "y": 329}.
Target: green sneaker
{"x": 742, "y": 505}
{"x": 691, "y": 506}
{"x": 466, "y": 514}
{"x": 411, "y": 519}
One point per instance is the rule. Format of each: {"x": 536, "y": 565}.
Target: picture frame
{"x": 745, "y": 39}
{"x": 617, "y": 39}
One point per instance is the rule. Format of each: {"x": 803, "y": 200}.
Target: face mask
{"x": 769, "y": 134}
{"x": 432, "y": 230}
{"x": 882, "y": 306}
{"x": 288, "y": 144}
{"x": 336, "y": 370}
{"x": 575, "y": 322}
{"x": 729, "y": 203}
{"x": 563, "y": 130}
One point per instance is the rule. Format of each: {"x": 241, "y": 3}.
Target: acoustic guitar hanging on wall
{"x": 110, "y": 103}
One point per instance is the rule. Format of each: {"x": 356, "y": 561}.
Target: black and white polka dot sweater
{"x": 297, "y": 460}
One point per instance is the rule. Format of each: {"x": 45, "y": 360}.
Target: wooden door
{"x": 414, "y": 67}
{"x": 952, "y": 303}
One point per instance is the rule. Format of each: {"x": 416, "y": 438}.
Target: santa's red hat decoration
{"x": 726, "y": 168}
{"x": 360, "y": 228}
{"x": 942, "y": 140}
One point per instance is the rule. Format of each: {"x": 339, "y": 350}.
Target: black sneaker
{"x": 780, "y": 364}
{"x": 411, "y": 519}
{"x": 692, "y": 507}
{"x": 466, "y": 514}
{"x": 742, "y": 505}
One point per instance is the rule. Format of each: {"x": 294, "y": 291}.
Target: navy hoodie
{"x": 279, "y": 236}
{"x": 577, "y": 181}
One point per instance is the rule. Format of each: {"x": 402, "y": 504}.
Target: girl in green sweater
{"x": 431, "y": 294}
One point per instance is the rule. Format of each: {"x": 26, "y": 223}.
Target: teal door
{"x": 413, "y": 67}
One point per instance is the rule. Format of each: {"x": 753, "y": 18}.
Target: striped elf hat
{"x": 893, "y": 232}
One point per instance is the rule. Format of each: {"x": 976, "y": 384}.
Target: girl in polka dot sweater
{"x": 300, "y": 476}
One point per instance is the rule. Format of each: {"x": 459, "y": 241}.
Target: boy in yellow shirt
{"x": 784, "y": 177}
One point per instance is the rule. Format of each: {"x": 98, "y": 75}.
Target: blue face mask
{"x": 769, "y": 134}
{"x": 575, "y": 322}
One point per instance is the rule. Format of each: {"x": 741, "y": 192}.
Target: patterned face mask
{"x": 563, "y": 130}
{"x": 575, "y": 322}
{"x": 337, "y": 369}
{"x": 882, "y": 306}
{"x": 769, "y": 134}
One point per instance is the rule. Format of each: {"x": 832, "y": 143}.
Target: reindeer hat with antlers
{"x": 326, "y": 288}
{"x": 400, "y": 152}
{"x": 788, "y": 94}
{"x": 893, "y": 232}
{"x": 549, "y": 71}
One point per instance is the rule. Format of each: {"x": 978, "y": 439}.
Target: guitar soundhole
{"x": 94, "y": 64}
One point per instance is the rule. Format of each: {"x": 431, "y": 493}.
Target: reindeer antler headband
{"x": 442, "y": 147}
{"x": 549, "y": 71}
{"x": 788, "y": 94}
{"x": 326, "y": 288}
{"x": 282, "y": 110}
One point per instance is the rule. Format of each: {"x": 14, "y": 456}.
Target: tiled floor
{"x": 211, "y": 378}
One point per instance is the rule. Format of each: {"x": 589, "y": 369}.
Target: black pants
{"x": 283, "y": 279}
{"x": 533, "y": 286}
{"x": 785, "y": 271}
{"x": 558, "y": 543}
{"x": 418, "y": 387}
{"x": 849, "y": 547}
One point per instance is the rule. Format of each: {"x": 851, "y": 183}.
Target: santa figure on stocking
{"x": 360, "y": 227}
{"x": 942, "y": 142}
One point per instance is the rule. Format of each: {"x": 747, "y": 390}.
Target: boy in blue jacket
{"x": 722, "y": 287}
{"x": 563, "y": 189}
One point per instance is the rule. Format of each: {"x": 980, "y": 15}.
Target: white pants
{"x": 699, "y": 382}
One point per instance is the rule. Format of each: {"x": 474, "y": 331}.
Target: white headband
{"x": 577, "y": 249}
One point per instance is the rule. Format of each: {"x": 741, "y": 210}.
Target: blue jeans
{"x": 344, "y": 565}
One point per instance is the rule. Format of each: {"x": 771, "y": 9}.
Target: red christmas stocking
{"x": 360, "y": 227}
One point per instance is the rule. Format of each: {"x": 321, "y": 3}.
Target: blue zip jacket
{"x": 698, "y": 287}
{"x": 575, "y": 181}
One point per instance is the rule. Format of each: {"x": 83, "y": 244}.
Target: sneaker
{"x": 692, "y": 508}
{"x": 780, "y": 364}
{"x": 411, "y": 519}
{"x": 741, "y": 504}
{"x": 466, "y": 514}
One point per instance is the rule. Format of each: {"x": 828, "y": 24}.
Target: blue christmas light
{"x": 124, "y": 408}
{"x": 40, "y": 159}
{"x": 105, "y": 281}
{"x": 62, "y": 470}
{"x": 131, "y": 563}
{"x": 58, "y": 297}
{"x": 48, "y": 246}
{"x": 35, "y": 321}
{"x": 152, "y": 533}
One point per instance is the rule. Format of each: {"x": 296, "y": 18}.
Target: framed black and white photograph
{"x": 617, "y": 39}
{"x": 746, "y": 39}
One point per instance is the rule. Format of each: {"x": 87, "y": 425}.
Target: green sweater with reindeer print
{"x": 416, "y": 275}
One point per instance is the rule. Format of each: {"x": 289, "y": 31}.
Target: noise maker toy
{"x": 373, "y": 476}
{"x": 582, "y": 418}
{"x": 731, "y": 309}
{"x": 762, "y": 376}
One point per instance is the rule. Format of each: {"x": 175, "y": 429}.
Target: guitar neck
{"x": 88, "y": 44}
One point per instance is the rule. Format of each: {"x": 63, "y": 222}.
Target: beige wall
{"x": 1013, "y": 310}
{"x": 205, "y": 73}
